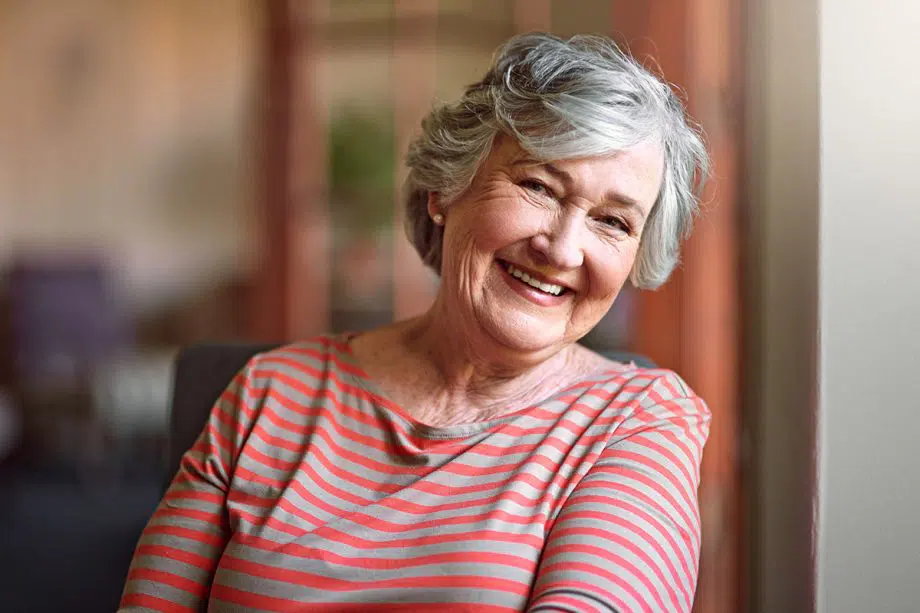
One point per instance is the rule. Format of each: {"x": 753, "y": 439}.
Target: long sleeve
{"x": 628, "y": 538}
{"x": 178, "y": 551}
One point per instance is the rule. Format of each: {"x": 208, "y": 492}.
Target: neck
{"x": 474, "y": 370}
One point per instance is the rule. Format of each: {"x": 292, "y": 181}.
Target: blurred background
{"x": 178, "y": 171}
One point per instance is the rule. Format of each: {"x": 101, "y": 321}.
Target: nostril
{"x": 541, "y": 246}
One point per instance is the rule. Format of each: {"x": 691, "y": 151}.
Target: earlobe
{"x": 434, "y": 203}
{"x": 434, "y": 208}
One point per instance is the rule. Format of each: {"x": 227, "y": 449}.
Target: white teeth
{"x": 549, "y": 288}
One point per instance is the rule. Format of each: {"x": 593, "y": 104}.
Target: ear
{"x": 434, "y": 203}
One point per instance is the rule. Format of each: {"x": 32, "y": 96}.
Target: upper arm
{"x": 628, "y": 538}
{"x": 178, "y": 551}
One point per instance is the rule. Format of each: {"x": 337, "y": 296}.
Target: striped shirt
{"x": 308, "y": 490}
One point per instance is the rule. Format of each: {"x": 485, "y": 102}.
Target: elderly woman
{"x": 476, "y": 458}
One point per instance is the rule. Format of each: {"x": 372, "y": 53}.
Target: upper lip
{"x": 540, "y": 277}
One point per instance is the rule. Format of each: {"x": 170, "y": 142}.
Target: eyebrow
{"x": 565, "y": 177}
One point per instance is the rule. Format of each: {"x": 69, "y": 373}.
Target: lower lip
{"x": 531, "y": 293}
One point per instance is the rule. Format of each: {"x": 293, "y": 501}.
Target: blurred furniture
{"x": 131, "y": 393}
{"x": 64, "y": 317}
{"x": 64, "y": 323}
{"x": 203, "y": 371}
{"x": 131, "y": 399}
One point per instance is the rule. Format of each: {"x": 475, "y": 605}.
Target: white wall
{"x": 869, "y": 415}
{"x": 833, "y": 332}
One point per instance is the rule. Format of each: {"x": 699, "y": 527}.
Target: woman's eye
{"x": 615, "y": 223}
{"x": 534, "y": 186}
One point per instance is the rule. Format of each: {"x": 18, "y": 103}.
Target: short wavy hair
{"x": 561, "y": 99}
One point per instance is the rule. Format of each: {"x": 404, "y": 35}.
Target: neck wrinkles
{"x": 464, "y": 375}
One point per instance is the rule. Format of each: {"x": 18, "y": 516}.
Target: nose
{"x": 560, "y": 246}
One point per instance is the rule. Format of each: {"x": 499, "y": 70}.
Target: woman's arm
{"x": 178, "y": 551}
{"x": 628, "y": 538}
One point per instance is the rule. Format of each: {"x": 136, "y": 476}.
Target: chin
{"x": 524, "y": 337}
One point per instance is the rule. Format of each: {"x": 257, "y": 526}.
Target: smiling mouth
{"x": 550, "y": 289}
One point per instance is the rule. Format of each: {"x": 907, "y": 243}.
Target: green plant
{"x": 362, "y": 160}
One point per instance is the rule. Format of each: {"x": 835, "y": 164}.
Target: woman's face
{"x": 535, "y": 253}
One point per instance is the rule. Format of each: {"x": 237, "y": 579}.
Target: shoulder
{"x": 652, "y": 402}
{"x": 634, "y": 390}
{"x": 307, "y": 359}
{"x": 626, "y": 369}
{"x": 293, "y": 375}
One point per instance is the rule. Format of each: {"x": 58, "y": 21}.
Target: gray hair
{"x": 561, "y": 99}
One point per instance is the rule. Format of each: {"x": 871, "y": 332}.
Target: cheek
{"x": 470, "y": 243}
{"x": 611, "y": 272}
{"x": 503, "y": 222}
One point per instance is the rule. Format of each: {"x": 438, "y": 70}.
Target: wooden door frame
{"x": 692, "y": 324}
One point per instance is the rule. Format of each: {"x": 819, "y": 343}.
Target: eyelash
{"x": 614, "y": 222}
{"x": 535, "y": 185}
